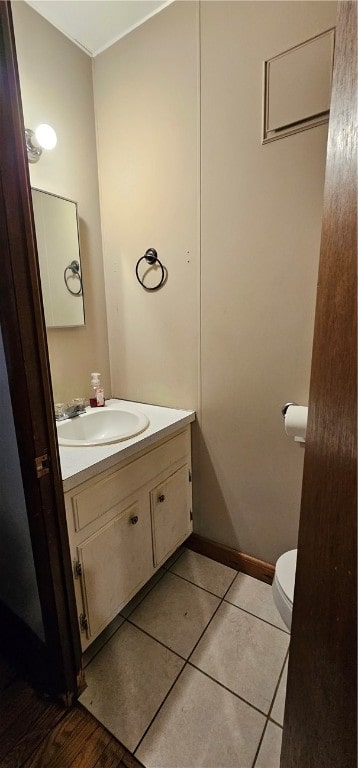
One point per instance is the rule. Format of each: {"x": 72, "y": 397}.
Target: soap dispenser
{"x": 97, "y": 401}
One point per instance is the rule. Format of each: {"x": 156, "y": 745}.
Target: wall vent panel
{"x": 298, "y": 87}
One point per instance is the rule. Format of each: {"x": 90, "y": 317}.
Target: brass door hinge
{"x": 189, "y": 475}
{"x": 83, "y": 622}
{"x": 42, "y": 465}
{"x": 77, "y": 569}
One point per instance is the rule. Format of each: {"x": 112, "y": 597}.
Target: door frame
{"x": 25, "y": 345}
{"x": 22, "y": 323}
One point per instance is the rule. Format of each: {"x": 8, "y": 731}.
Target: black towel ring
{"x": 151, "y": 257}
{"x": 74, "y": 268}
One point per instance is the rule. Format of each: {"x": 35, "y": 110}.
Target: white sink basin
{"x": 101, "y": 426}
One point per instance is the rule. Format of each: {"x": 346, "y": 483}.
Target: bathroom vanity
{"x": 128, "y": 507}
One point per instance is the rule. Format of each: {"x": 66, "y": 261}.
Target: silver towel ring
{"x": 74, "y": 268}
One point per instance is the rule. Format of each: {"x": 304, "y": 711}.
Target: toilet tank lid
{"x": 286, "y": 572}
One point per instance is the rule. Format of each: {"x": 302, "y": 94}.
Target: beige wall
{"x": 245, "y": 337}
{"x": 261, "y": 218}
{"x": 237, "y": 225}
{"x": 56, "y": 87}
{"x": 146, "y": 105}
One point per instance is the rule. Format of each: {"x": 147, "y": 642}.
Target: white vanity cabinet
{"x": 123, "y": 524}
{"x": 169, "y": 513}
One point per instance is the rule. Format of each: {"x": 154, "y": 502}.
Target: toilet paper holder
{"x": 285, "y": 407}
{"x": 295, "y": 418}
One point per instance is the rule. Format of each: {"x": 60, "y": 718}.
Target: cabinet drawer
{"x": 115, "y": 561}
{"x": 170, "y": 504}
{"x": 97, "y": 498}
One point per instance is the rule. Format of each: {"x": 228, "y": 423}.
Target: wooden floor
{"x": 38, "y": 733}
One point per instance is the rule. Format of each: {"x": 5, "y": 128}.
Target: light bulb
{"x": 46, "y": 136}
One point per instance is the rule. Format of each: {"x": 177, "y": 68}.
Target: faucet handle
{"x": 75, "y": 410}
{"x": 59, "y": 411}
{"x": 80, "y": 404}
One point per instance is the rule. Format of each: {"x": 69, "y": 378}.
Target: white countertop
{"x": 81, "y": 463}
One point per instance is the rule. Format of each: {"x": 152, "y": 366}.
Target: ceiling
{"x": 94, "y": 25}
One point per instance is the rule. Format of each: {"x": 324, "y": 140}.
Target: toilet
{"x": 284, "y": 584}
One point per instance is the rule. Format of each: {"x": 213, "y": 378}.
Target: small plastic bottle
{"x": 97, "y": 401}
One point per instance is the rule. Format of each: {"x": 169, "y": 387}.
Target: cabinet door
{"x": 115, "y": 561}
{"x": 171, "y": 513}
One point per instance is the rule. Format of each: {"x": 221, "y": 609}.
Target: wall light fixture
{"x": 44, "y": 137}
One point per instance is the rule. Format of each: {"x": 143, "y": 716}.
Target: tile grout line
{"x": 125, "y": 618}
{"x": 191, "y": 664}
{"x": 224, "y": 597}
{"x": 188, "y": 581}
{"x": 159, "y": 708}
{"x": 184, "y": 578}
{"x": 84, "y": 667}
{"x": 275, "y": 723}
{"x": 268, "y": 719}
{"x": 166, "y": 570}
{"x": 217, "y": 682}
{"x": 257, "y": 617}
{"x": 233, "y": 693}
{"x": 187, "y": 661}
{"x": 260, "y": 743}
{"x": 160, "y": 642}
{"x": 222, "y": 600}
{"x": 144, "y": 596}
{"x": 198, "y": 669}
{"x": 185, "y": 658}
{"x": 181, "y": 671}
{"x": 214, "y": 614}
{"x": 278, "y": 685}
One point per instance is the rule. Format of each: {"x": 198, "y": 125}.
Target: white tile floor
{"x": 195, "y": 676}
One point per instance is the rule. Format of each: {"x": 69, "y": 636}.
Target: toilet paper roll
{"x": 296, "y": 422}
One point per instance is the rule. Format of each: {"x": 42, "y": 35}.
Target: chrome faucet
{"x": 71, "y": 411}
{"x": 75, "y": 410}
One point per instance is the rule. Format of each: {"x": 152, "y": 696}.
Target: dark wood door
{"x": 24, "y": 335}
{"x": 320, "y": 715}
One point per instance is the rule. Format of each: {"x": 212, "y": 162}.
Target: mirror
{"x": 58, "y": 248}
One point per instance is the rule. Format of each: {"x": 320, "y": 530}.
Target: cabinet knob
{"x": 134, "y": 519}
{"x": 161, "y": 498}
